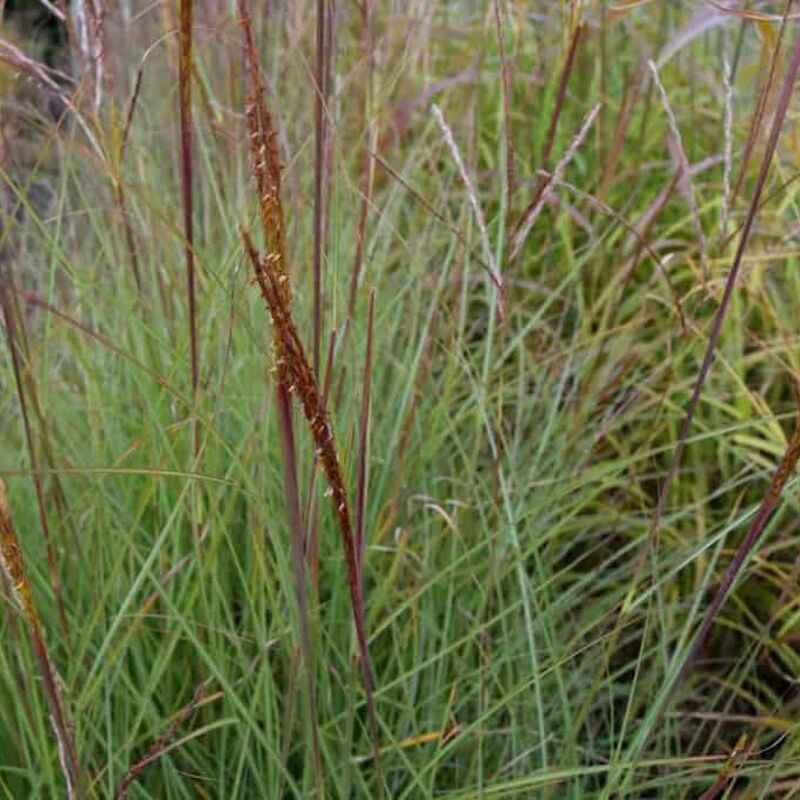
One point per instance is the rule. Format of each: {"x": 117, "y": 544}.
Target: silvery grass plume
{"x": 534, "y": 209}
{"x": 494, "y": 272}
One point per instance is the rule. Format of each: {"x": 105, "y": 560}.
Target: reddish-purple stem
{"x": 286, "y": 429}
{"x": 561, "y": 94}
{"x": 161, "y": 744}
{"x": 506, "y": 79}
{"x": 320, "y": 98}
{"x": 369, "y": 168}
{"x": 361, "y": 485}
{"x": 185, "y": 70}
{"x": 551, "y": 130}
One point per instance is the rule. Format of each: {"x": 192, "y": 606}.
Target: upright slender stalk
{"x": 549, "y": 138}
{"x": 363, "y": 443}
{"x": 506, "y": 83}
{"x": 561, "y": 94}
{"x": 286, "y": 429}
{"x": 368, "y": 180}
{"x": 320, "y": 128}
{"x": 185, "y": 79}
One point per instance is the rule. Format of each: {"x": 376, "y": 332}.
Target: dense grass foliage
{"x": 546, "y": 201}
